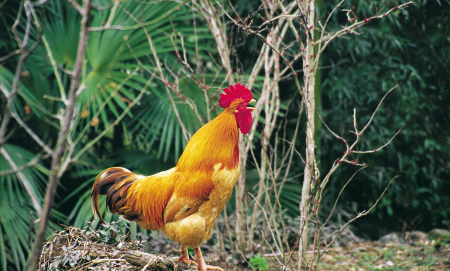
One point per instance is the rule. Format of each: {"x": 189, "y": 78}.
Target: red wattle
{"x": 244, "y": 120}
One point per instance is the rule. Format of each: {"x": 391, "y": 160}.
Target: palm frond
{"x": 16, "y": 208}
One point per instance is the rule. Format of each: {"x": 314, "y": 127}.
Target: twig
{"x": 24, "y": 181}
{"x": 382, "y": 147}
{"x": 62, "y": 141}
{"x": 10, "y": 101}
{"x": 376, "y": 110}
{"x": 15, "y": 85}
{"x": 350, "y": 29}
{"x": 118, "y": 119}
{"x": 349, "y": 149}
{"x": 137, "y": 26}
{"x": 13, "y": 53}
{"x": 217, "y": 30}
{"x": 363, "y": 213}
{"x": 30, "y": 163}
{"x": 158, "y": 65}
{"x": 76, "y": 6}
{"x": 100, "y": 109}
{"x": 52, "y": 60}
{"x": 32, "y": 133}
{"x": 271, "y": 231}
{"x": 339, "y": 195}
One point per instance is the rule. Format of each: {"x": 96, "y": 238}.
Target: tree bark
{"x": 66, "y": 123}
{"x": 309, "y": 79}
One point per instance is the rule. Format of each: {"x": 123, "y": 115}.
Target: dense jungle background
{"x": 125, "y": 116}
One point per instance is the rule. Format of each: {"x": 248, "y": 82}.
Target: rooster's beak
{"x": 251, "y": 101}
{"x": 249, "y": 108}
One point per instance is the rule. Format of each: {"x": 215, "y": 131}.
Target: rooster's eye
{"x": 240, "y": 105}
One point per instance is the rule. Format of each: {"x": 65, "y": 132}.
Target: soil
{"x": 75, "y": 249}
{"x": 374, "y": 256}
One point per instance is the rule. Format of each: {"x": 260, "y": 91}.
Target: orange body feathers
{"x": 184, "y": 201}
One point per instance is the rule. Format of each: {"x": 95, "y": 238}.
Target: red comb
{"x": 237, "y": 91}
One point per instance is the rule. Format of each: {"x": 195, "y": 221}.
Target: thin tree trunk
{"x": 62, "y": 139}
{"x": 309, "y": 79}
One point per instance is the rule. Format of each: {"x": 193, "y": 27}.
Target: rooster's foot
{"x": 209, "y": 267}
{"x": 185, "y": 256}
{"x": 201, "y": 262}
{"x": 186, "y": 260}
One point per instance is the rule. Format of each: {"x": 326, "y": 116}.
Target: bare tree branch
{"x": 10, "y": 96}
{"x": 67, "y": 121}
{"x": 38, "y": 158}
{"x": 24, "y": 181}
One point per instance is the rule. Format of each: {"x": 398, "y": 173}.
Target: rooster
{"x": 184, "y": 202}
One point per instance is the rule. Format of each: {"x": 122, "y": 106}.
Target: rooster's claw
{"x": 211, "y": 267}
{"x": 186, "y": 260}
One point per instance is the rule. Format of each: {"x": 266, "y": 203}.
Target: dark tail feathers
{"x": 113, "y": 182}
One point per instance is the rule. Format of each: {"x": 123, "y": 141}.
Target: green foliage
{"x": 115, "y": 232}
{"x": 439, "y": 235}
{"x": 406, "y": 47}
{"x": 113, "y": 77}
{"x": 258, "y": 262}
{"x": 17, "y": 214}
{"x": 290, "y": 193}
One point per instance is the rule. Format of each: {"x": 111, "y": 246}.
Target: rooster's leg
{"x": 185, "y": 256}
{"x": 201, "y": 262}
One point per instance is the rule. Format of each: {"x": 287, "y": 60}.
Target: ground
{"x": 377, "y": 256}
{"x": 75, "y": 249}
